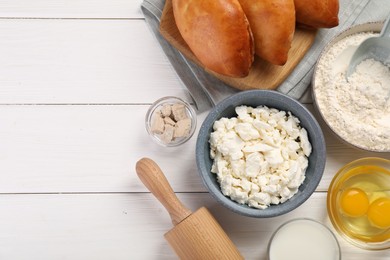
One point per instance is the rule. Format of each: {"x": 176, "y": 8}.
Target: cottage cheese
{"x": 260, "y": 156}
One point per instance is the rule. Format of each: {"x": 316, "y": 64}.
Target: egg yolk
{"x": 379, "y": 213}
{"x": 354, "y": 202}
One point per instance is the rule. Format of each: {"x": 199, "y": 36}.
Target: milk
{"x": 303, "y": 239}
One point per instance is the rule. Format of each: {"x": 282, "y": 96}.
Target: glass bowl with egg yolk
{"x": 358, "y": 203}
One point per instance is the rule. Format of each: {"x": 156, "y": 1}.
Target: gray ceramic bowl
{"x": 272, "y": 99}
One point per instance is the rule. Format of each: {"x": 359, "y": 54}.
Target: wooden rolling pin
{"x": 194, "y": 235}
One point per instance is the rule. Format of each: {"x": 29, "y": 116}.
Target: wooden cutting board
{"x": 263, "y": 75}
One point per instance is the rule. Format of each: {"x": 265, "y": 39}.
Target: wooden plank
{"x": 83, "y": 61}
{"x": 92, "y": 148}
{"x": 71, "y": 8}
{"x": 83, "y": 149}
{"x": 131, "y": 226}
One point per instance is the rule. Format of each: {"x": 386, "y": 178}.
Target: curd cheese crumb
{"x": 260, "y": 157}
{"x": 246, "y": 131}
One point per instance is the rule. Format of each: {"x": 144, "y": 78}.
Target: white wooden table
{"x": 76, "y": 79}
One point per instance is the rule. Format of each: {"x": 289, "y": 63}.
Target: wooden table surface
{"x": 76, "y": 79}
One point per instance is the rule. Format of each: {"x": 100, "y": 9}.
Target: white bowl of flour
{"x": 357, "y": 110}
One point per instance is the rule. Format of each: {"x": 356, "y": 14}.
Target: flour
{"x": 358, "y": 110}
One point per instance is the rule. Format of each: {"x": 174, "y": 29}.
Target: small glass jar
{"x": 170, "y": 121}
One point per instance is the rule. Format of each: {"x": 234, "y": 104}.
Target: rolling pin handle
{"x": 154, "y": 179}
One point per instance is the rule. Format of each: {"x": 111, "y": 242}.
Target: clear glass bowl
{"x": 153, "y": 111}
{"x": 370, "y": 177}
{"x": 303, "y": 238}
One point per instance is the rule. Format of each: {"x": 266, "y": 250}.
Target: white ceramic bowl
{"x": 317, "y": 85}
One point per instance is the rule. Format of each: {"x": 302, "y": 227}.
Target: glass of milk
{"x": 301, "y": 239}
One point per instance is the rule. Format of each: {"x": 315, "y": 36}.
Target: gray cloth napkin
{"x": 207, "y": 90}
